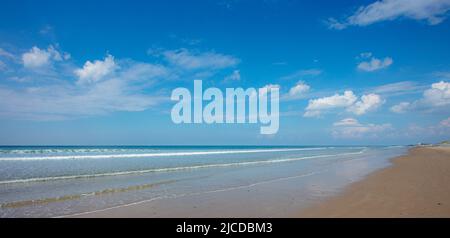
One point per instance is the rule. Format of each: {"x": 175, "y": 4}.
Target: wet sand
{"x": 416, "y": 185}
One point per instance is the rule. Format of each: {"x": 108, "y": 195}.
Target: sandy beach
{"x": 416, "y": 185}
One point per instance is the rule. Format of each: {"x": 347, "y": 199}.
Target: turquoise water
{"x": 52, "y": 181}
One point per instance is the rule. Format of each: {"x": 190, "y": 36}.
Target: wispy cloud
{"x": 99, "y": 86}
{"x": 371, "y": 63}
{"x": 431, "y": 11}
{"x": 300, "y": 74}
{"x": 442, "y": 74}
{"x": 350, "y": 128}
{"x": 445, "y": 123}
{"x": 58, "y": 102}
{"x": 191, "y": 60}
{"x": 47, "y": 29}
{"x": 234, "y": 76}
{"x": 64, "y": 97}
{"x": 398, "y": 88}
{"x": 347, "y": 122}
{"x": 441, "y": 128}
{"x": 6, "y": 54}
{"x": 401, "y": 107}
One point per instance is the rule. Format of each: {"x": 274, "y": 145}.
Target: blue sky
{"x": 349, "y": 72}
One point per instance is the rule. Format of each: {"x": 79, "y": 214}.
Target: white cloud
{"x": 299, "y": 89}
{"x": 438, "y": 95}
{"x": 351, "y": 128}
{"x": 54, "y": 54}
{"x": 347, "y": 122}
{"x": 312, "y": 113}
{"x": 375, "y": 64}
{"x": 36, "y": 58}
{"x": 435, "y": 98}
{"x": 348, "y": 100}
{"x": 367, "y": 103}
{"x": 95, "y": 71}
{"x": 401, "y": 107}
{"x": 431, "y": 11}
{"x": 235, "y": 76}
{"x": 193, "y": 60}
{"x": 315, "y": 106}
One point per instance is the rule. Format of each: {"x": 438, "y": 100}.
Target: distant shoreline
{"x": 416, "y": 185}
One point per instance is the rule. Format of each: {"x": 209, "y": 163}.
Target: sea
{"x": 59, "y": 181}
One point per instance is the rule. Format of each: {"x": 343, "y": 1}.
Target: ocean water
{"x": 52, "y": 181}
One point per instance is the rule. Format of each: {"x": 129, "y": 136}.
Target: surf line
{"x": 175, "y": 168}
{"x": 236, "y": 98}
{"x": 112, "y": 156}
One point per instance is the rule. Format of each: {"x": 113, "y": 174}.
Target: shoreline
{"x": 273, "y": 197}
{"x": 415, "y": 185}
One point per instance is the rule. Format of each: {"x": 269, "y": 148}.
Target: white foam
{"x": 28, "y": 180}
{"x": 67, "y": 150}
{"x": 143, "y": 155}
